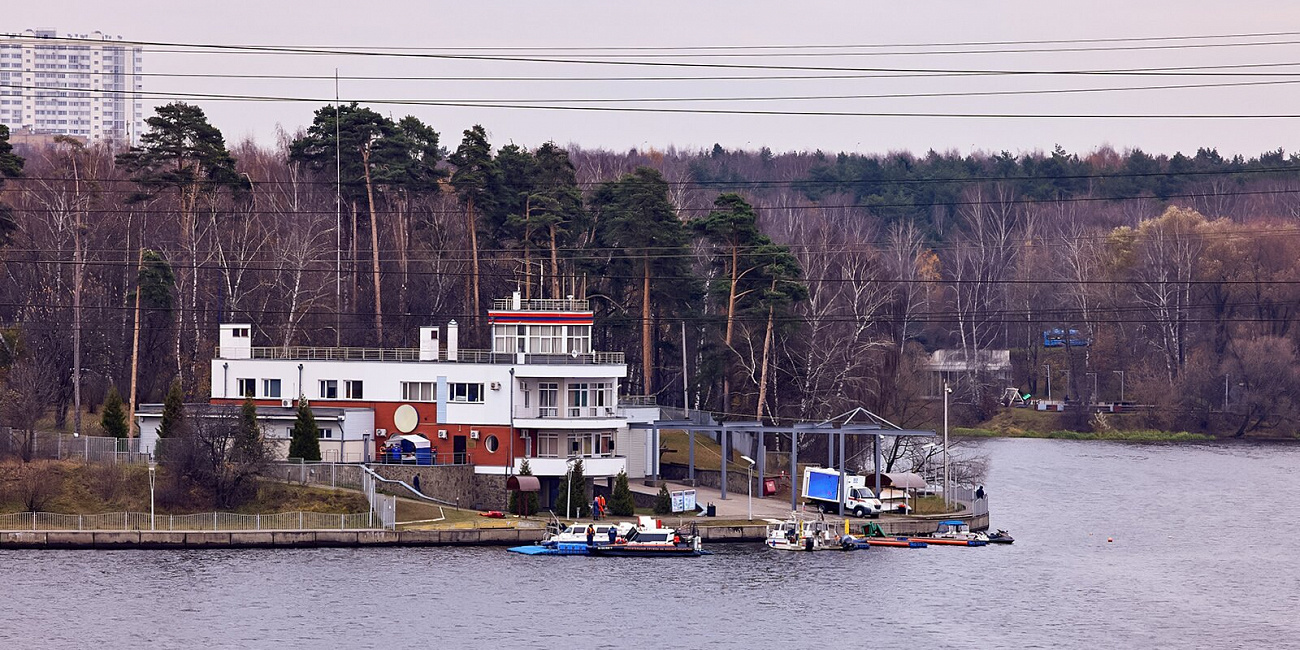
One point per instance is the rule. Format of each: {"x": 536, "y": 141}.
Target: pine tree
{"x": 305, "y": 441}
{"x": 113, "y": 418}
{"x": 663, "y": 501}
{"x": 580, "y": 505}
{"x": 173, "y": 415}
{"x": 248, "y": 442}
{"x": 622, "y": 504}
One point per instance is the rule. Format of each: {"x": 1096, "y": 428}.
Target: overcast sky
{"x": 483, "y": 23}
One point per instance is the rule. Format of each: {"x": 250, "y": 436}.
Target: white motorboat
{"x": 799, "y": 533}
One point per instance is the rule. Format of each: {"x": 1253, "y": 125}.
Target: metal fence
{"x": 967, "y": 495}
{"x": 213, "y": 521}
{"x": 66, "y": 446}
{"x": 335, "y": 475}
{"x": 382, "y": 506}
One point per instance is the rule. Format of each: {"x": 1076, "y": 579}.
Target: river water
{"x": 1204, "y": 556}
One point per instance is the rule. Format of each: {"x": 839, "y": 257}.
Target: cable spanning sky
{"x": 1162, "y": 75}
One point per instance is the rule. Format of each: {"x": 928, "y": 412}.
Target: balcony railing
{"x": 413, "y": 354}
{"x": 566, "y": 412}
{"x": 543, "y": 304}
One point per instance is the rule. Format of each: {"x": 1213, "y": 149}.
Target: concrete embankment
{"x": 58, "y": 539}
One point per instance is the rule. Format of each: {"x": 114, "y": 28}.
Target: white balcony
{"x": 601, "y": 467}
{"x": 568, "y": 417}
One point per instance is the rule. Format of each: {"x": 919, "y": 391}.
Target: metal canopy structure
{"x": 878, "y": 428}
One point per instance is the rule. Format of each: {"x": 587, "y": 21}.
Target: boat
{"x": 798, "y": 533}
{"x": 1001, "y": 537}
{"x": 874, "y": 535}
{"x": 648, "y": 537}
{"x": 954, "y": 532}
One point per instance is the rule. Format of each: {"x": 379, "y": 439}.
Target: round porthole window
{"x": 491, "y": 444}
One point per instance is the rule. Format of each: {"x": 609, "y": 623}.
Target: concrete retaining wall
{"x": 452, "y": 483}
{"x": 268, "y": 539}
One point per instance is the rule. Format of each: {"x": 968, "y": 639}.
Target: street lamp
{"x": 947, "y": 390}
{"x": 152, "y": 467}
{"x": 568, "y": 494}
{"x": 1047, "y": 370}
{"x": 749, "y": 485}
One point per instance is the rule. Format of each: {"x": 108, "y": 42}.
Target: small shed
{"x": 521, "y": 486}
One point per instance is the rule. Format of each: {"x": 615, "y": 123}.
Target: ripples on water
{"x": 1202, "y": 557}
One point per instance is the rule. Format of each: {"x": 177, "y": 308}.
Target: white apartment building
{"x": 82, "y": 85}
{"x": 541, "y": 394}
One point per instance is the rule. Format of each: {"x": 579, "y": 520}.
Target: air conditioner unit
{"x": 380, "y": 433}
{"x": 442, "y": 434}
{"x": 473, "y": 434}
{"x": 496, "y": 385}
{"x": 286, "y": 403}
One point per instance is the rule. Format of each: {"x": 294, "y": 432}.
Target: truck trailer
{"x": 821, "y": 487}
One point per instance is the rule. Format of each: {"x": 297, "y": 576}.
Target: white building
{"x": 83, "y": 85}
{"x": 541, "y": 394}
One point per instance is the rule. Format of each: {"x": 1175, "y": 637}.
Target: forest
{"x": 752, "y": 284}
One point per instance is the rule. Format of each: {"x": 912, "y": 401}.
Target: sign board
{"x": 683, "y": 500}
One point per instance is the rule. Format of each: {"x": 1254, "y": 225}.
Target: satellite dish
{"x": 405, "y": 418}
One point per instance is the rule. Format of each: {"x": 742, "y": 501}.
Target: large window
{"x": 246, "y": 387}
{"x": 548, "y": 445}
{"x": 580, "y": 339}
{"x": 470, "y": 393}
{"x": 271, "y": 387}
{"x": 353, "y": 389}
{"x": 546, "y": 339}
{"x": 329, "y": 389}
{"x": 548, "y": 399}
{"x": 578, "y": 400}
{"x": 418, "y": 391}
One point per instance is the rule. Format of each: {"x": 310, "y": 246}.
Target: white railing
{"x": 566, "y": 413}
{"x": 214, "y": 521}
{"x": 303, "y": 353}
{"x": 542, "y": 304}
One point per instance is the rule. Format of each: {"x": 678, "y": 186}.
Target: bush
{"x": 621, "y": 503}
{"x": 664, "y": 501}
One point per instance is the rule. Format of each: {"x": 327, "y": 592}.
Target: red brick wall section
{"x": 476, "y": 450}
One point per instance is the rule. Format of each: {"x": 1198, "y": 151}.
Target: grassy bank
{"x": 71, "y": 487}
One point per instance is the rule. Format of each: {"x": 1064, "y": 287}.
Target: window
{"x": 546, "y": 339}
{"x": 492, "y": 444}
{"x": 329, "y": 389}
{"x": 548, "y": 445}
{"x": 238, "y": 332}
{"x": 326, "y": 432}
{"x": 352, "y": 388}
{"x": 245, "y": 387}
{"x": 580, "y": 339}
{"x": 471, "y": 393}
{"x": 417, "y": 391}
{"x": 578, "y": 400}
{"x": 548, "y": 399}
{"x": 271, "y": 387}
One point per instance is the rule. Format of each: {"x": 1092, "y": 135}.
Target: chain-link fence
{"x": 214, "y": 521}
{"x": 338, "y": 475}
{"x": 41, "y": 445}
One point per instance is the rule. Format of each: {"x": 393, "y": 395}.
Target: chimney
{"x": 453, "y": 331}
{"x": 515, "y": 303}
{"x": 428, "y": 344}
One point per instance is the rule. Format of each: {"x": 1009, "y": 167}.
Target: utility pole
{"x": 686, "y": 398}
{"x": 77, "y": 274}
{"x": 135, "y": 352}
{"x": 946, "y": 392}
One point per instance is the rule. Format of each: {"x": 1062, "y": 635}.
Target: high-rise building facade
{"x": 84, "y": 85}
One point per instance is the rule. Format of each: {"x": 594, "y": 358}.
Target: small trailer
{"x": 821, "y": 487}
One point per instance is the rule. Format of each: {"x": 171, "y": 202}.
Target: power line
{"x": 690, "y": 111}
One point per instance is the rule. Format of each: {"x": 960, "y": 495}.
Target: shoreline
{"x": 134, "y": 539}
{"x": 1118, "y": 436}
